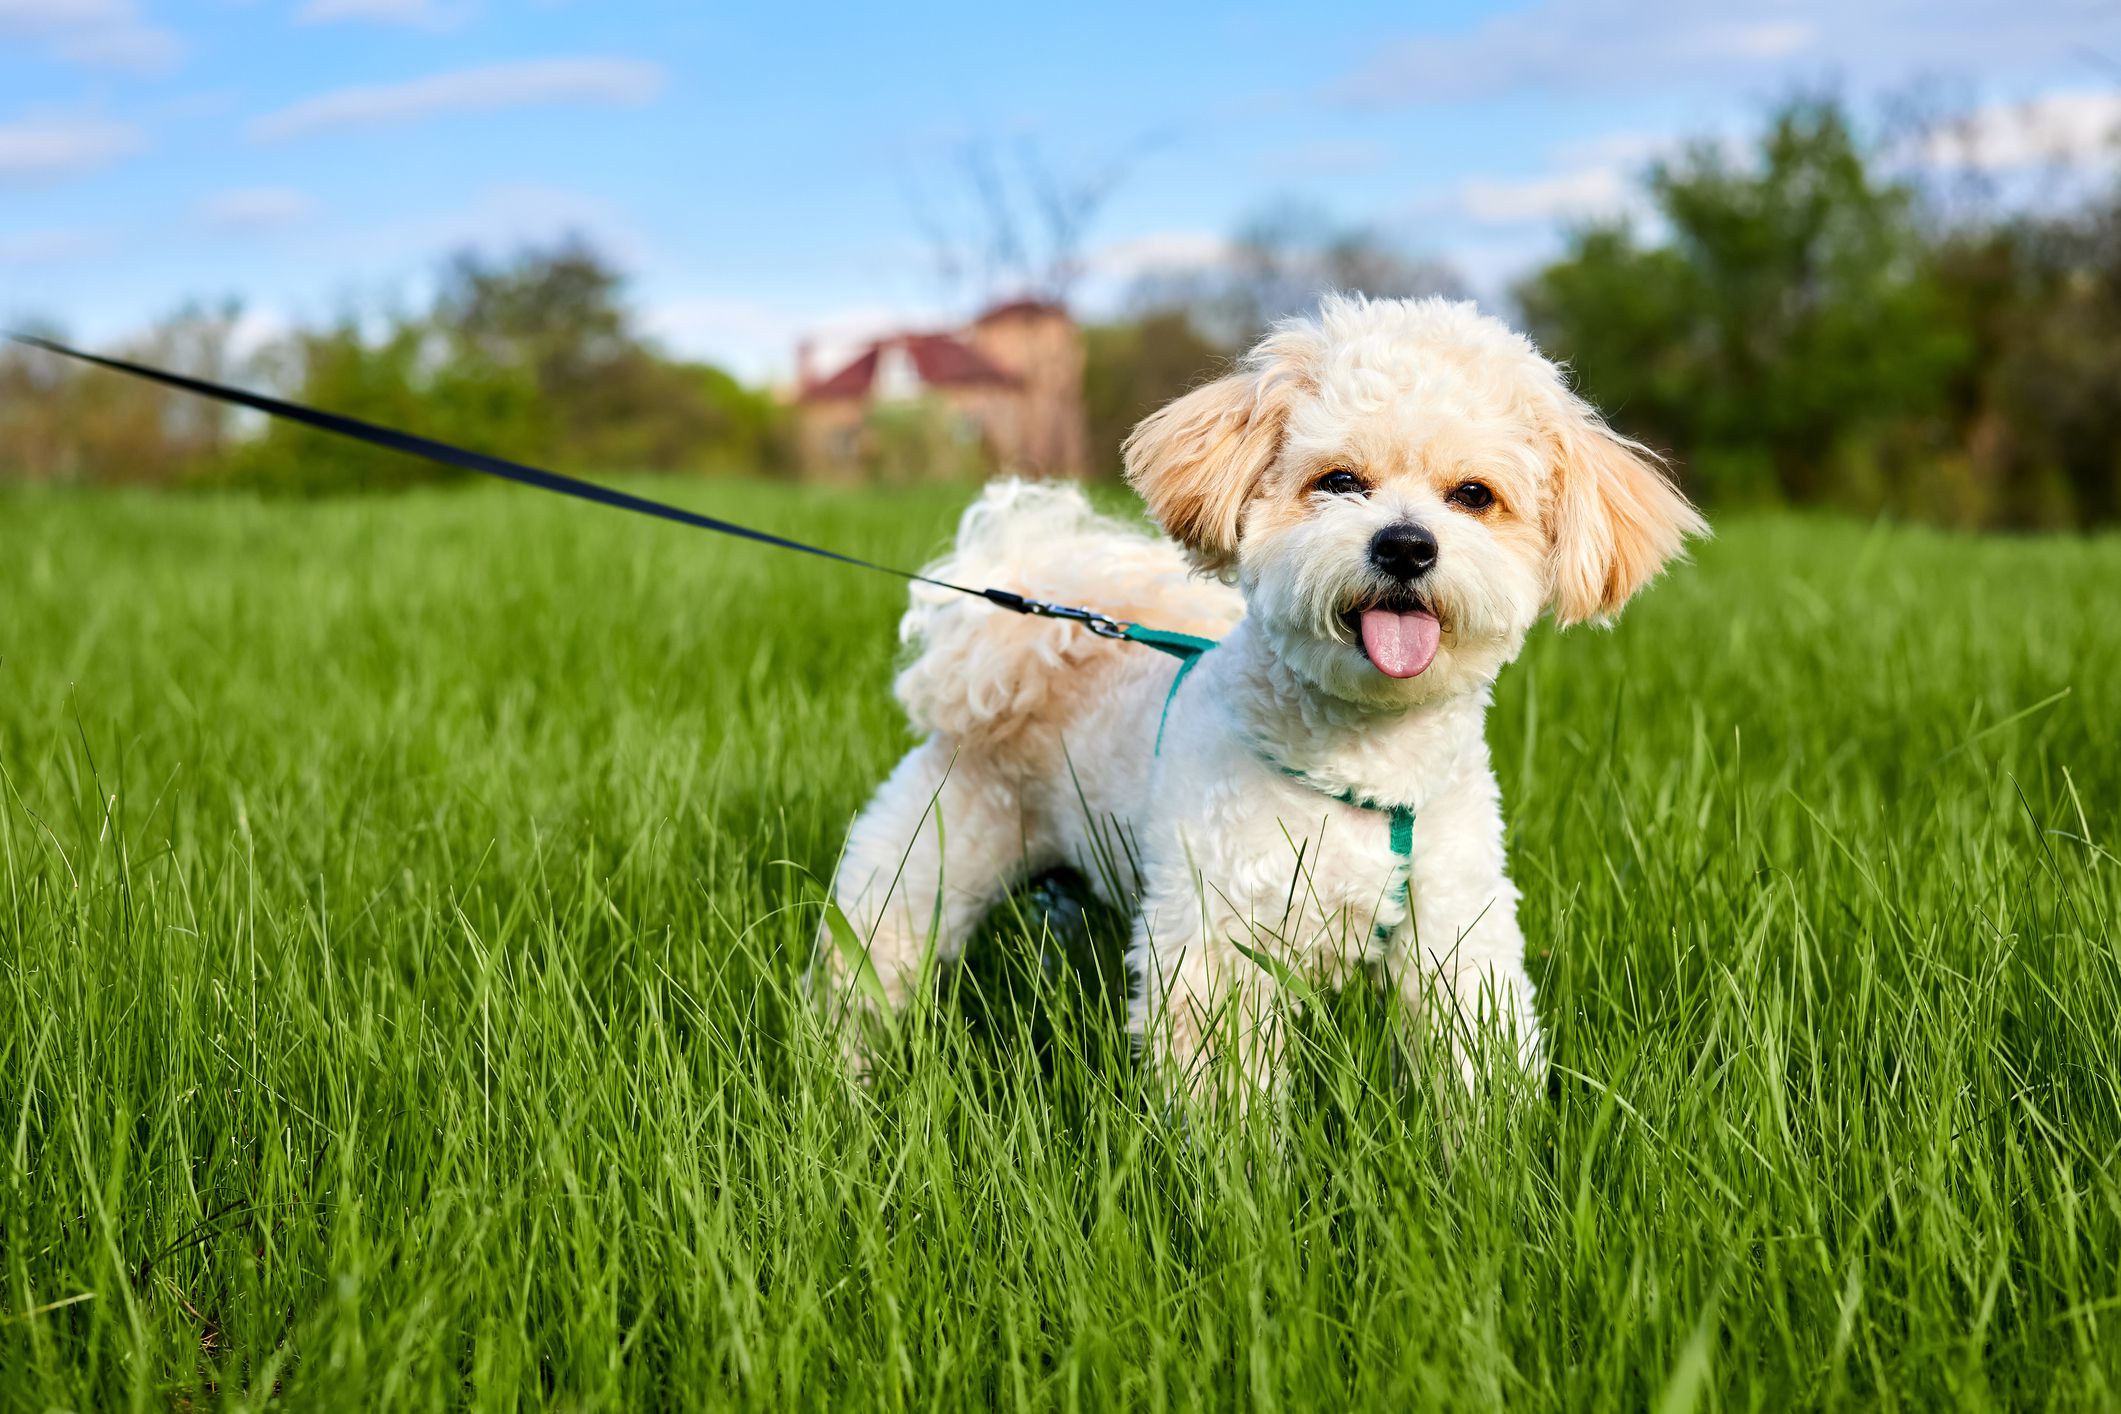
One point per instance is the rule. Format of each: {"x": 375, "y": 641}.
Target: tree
{"x": 2046, "y": 420}
{"x": 534, "y": 357}
{"x": 1790, "y": 329}
{"x": 1133, "y": 368}
{"x": 1623, "y": 316}
{"x": 61, "y": 421}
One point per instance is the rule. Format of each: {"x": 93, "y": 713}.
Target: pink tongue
{"x": 1401, "y": 645}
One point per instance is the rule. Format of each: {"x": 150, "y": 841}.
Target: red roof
{"x": 941, "y": 360}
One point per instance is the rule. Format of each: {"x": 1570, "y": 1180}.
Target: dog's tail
{"x": 978, "y": 674}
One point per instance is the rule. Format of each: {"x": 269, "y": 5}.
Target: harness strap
{"x": 1401, "y": 816}
{"x": 1185, "y": 647}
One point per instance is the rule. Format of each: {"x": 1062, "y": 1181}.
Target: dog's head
{"x": 1401, "y": 487}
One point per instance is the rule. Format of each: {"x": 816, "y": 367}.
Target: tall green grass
{"x": 401, "y": 903}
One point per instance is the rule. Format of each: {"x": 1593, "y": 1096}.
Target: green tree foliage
{"x": 1133, "y": 368}
{"x": 1820, "y": 324}
{"x": 1622, "y": 315}
{"x": 534, "y": 357}
{"x": 395, "y": 379}
{"x": 2043, "y": 406}
{"x": 1802, "y": 334}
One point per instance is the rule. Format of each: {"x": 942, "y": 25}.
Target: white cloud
{"x": 141, "y": 49}
{"x": 1629, "y": 148}
{"x": 1491, "y": 264}
{"x": 2056, "y": 128}
{"x": 1568, "y": 196}
{"x": 109, "y": 34}
{"x": 1622, "y": 45}
{"x": 1112, "y": 272}
{"x": 1771, "y": 39}
{"x": 1158, "y": 250}
{"x": 1326, "y": 157}
{"x": 257, "y": 208}
{"x": 754, "y": 338}
{"x": 625, "y": 82}
{"x": 416, "y": 14}
{"x": 49, "y": 247}
{"x": 49, "y": 147}
{"x": 1588, "y": 179}
{"x": 497, "y": 218}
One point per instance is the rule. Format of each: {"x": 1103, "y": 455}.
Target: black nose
{"x": 1403, "y": 550}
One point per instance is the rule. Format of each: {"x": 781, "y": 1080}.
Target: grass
{"x": 400, "y": 902}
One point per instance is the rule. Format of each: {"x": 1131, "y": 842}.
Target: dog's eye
{"x": 1340, "y": 482}
{"x": 1472, "y": 495}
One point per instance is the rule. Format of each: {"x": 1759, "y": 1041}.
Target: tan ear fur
{"x": 1615, "y": 519}
{"x": 1197, "y": 461}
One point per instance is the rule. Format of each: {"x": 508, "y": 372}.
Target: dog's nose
{"x": 1403, "y": 550}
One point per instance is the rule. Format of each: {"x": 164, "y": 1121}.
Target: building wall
{"x": 1045, "y": 434}
{"x": 1036, "y": 428}
{"x": 996, "y": 412}
{"x": 829, "y": 439}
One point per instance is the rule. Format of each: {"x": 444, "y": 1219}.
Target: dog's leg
{"x": 943, "y": 840}
{"x": 1207, "y": 1017}
{"x": 1461, "y": 968}
{"x": 1471, "y": 983}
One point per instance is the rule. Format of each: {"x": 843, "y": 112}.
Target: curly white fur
{"x": 1039, "y": 736}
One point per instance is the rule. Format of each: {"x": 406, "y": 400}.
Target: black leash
{"x": 413, "y": 445}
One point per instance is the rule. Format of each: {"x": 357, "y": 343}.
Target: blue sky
{"x": 751, "y": 165}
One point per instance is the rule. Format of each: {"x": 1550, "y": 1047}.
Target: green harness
{"x": 1189, "y": 649}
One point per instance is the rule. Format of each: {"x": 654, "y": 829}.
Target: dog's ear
{"x": 1197, "y": 461}
{"x": 1614, "y": 519}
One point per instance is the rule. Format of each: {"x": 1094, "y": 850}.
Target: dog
{"x": 1368, "y": 513}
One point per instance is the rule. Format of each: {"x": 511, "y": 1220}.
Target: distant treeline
{"x": 1808, "y": 330}
{"x": 1804, "y": 322}
{"x": 534, "y": 357}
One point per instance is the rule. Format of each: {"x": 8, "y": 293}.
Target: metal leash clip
{"x": 1103, "y": 625}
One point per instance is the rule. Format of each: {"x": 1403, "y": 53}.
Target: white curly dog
{"x": 1369, "y": 514}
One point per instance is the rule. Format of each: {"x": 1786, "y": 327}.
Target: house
{"x": 1004, "y": 393}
